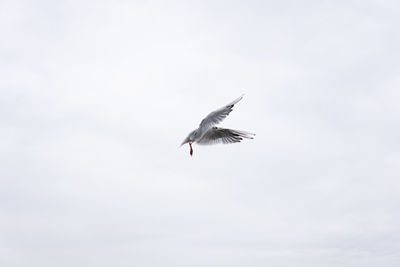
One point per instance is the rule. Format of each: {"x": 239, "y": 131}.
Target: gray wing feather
{"x": 217, "y": 116}
{"x": 217, "y": 135}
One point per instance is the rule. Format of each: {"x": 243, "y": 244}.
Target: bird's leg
{"x": 191, "y": 149}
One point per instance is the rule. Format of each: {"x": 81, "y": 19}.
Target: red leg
{"x": 191, "y": 149}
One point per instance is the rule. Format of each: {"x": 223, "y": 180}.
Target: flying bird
{"x": 209, "y": 134}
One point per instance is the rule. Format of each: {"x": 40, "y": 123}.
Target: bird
{"x": 208, "y": 134}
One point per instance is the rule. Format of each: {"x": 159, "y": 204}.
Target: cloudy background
{"x": 96, "y": 96}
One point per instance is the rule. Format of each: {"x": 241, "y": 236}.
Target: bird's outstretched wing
{"x": 217, "y": 135}
{"x": 217, "y": 116}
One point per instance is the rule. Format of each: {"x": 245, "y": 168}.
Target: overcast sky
{"x": 96, "y": 96}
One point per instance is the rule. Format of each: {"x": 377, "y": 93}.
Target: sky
{"x": 96, "y": 97}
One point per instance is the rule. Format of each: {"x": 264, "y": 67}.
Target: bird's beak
{"x": 185, "y": 142}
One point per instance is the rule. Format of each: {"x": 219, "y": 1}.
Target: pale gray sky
{"x": 96, "y": 96}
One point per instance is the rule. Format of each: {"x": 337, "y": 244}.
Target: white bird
{"x": 208, "y": 134}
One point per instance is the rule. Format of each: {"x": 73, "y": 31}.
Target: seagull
{"x": 209, "y": 134}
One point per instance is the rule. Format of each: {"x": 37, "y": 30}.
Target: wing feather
{"x": 217, "y": 135}
{"x": 218, "y": 115}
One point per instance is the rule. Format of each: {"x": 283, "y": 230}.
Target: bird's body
{"x": 208, "y": 134}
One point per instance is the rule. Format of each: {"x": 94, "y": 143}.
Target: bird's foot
{"x": 191, "y": 149}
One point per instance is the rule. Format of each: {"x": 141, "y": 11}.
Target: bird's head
{"x": 189, "y": 138}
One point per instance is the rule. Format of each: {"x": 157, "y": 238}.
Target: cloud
{"x": 95, "y": 100}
